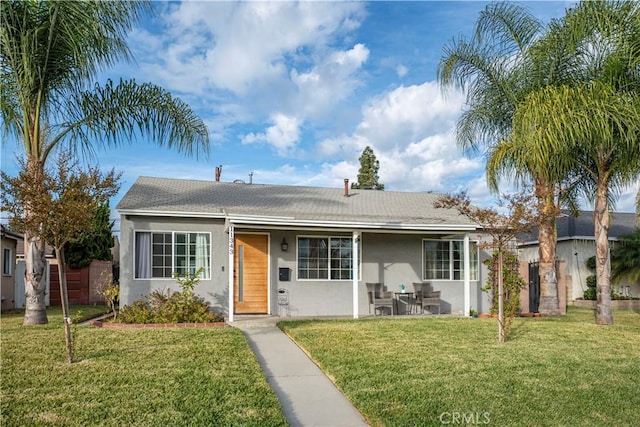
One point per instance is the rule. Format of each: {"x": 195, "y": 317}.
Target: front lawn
{"x": 433, "y": 371}
{"x": 151, "y": 377}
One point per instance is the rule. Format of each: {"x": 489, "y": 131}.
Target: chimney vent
{"x": 346, "y": 187}
{"x": 218, "y": 173}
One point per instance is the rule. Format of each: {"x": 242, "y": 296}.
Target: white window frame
{"x": 7, "y": 261}
{"x": 474, "y": 248}
{"x": 206, "y": 276}
{"x": 357, "y": 270}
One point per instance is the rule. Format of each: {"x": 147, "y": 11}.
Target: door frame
{"x": 232, "y": 263}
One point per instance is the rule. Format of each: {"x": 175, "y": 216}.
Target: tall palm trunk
{"x": 35, "y": 282}
{"x": 604, "y": 313}
{"x": 547, "y": 238}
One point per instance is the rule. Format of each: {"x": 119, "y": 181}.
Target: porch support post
{"x": 355, "y": 270}
{"x": 467, "y": 276}
{"x": 230, "y": 268}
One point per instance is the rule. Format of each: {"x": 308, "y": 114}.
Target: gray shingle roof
{"x": 582, "y": 225}
{"x": 195, "y": 198}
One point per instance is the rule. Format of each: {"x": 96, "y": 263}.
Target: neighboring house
{"x": 264, "y": 246}
{"x": 576, "y": 244}
{"x": 8, "y": 278}
{"x": 82, "y": 284}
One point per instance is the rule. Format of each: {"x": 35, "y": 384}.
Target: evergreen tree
{"x": 368, "y": 173}
{"x": 93, "y": 244}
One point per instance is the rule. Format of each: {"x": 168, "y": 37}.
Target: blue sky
{"x": 293, "y": 92}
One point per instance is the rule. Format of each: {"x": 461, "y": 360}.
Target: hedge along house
{"x": 318, "y": 247}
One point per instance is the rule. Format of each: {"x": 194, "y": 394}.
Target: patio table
{"x": 406, "y": 299}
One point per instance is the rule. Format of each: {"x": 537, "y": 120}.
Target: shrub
{"x": 177, "y": 307}
{"x": 592, "y": 281}
{"x": 109, "y": 290}
{"x": 590, "y": 294}
{"x": 138, "y": 312}
{"x": 591, "y": 263}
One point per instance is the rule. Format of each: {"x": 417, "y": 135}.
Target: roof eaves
{"x": 151, "y": 212}
{"x": 274, "y": 221}
{"x": 291, "y": 221}
{"x": 8, "y": 234}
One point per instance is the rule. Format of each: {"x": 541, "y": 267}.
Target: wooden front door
{"x": 251, "y": 274}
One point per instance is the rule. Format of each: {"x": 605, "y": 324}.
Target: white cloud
{"x": 401, "y": 70}
{"x": 411, "y": 130}
{"x": 237, "y": 62}
{"x": 330, "y": 81}
{"x": 235, "y": 46}
{"x": 409, "y": 113}
{"x": 282, "y": 135}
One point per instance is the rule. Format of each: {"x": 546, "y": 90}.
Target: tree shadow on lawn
{"x": 520, "y": 327}
{"x": 121, "y": 344}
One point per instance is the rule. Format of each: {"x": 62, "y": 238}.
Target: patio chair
{"x": 431, "y": 300}
{"x": 378, "y": 298}
{"x": 418, "y": 302}
{"x": 419, "y": 292}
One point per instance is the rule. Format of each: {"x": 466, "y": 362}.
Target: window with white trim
{"x": 160, "y": 254}
{"x": 7, "y": 260}
{"x": 325, "y": 258}
{"x": 444, "y": 260}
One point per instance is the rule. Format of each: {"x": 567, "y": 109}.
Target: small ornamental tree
{"x": 368, "y": 173}
{"x": 503, "y": 230}
{"x": 56, "y": 206}
{"x": 512, "y": 282}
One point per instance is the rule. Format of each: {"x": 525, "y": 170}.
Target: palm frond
{"x": 118, "y": 114}
{"x": 51, "y": 49}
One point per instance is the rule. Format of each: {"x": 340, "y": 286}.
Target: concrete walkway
{"x": 307, "y": 396}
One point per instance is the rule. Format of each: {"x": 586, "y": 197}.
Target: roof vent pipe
{"x": 218, "y": 173}
{"x": 346, "y": 187}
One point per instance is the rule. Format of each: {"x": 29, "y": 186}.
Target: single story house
{"x": 303, "y": 251}
{"x": 576, "y": 244}
{"x": 9, "y": 242}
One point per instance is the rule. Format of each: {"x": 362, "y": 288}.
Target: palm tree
{"x": 625, "y": 258}
{"x": 591, "y": 124}
{"x": 498, "y": 67}
{"x": 50, "y": 55}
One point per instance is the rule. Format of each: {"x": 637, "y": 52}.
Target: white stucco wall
{"x": 575, "y": 253}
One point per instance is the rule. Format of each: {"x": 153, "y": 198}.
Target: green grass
{"x": 423, "y": 371}
{"x": 195, "y": 377}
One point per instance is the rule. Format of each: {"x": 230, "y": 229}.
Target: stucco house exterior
{"x": 576, "y": 244}
{"x": 9, "y": 244}
{"x": 315, "y": 249}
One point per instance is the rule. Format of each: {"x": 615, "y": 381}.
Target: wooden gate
{"x": 534, "y": 287}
